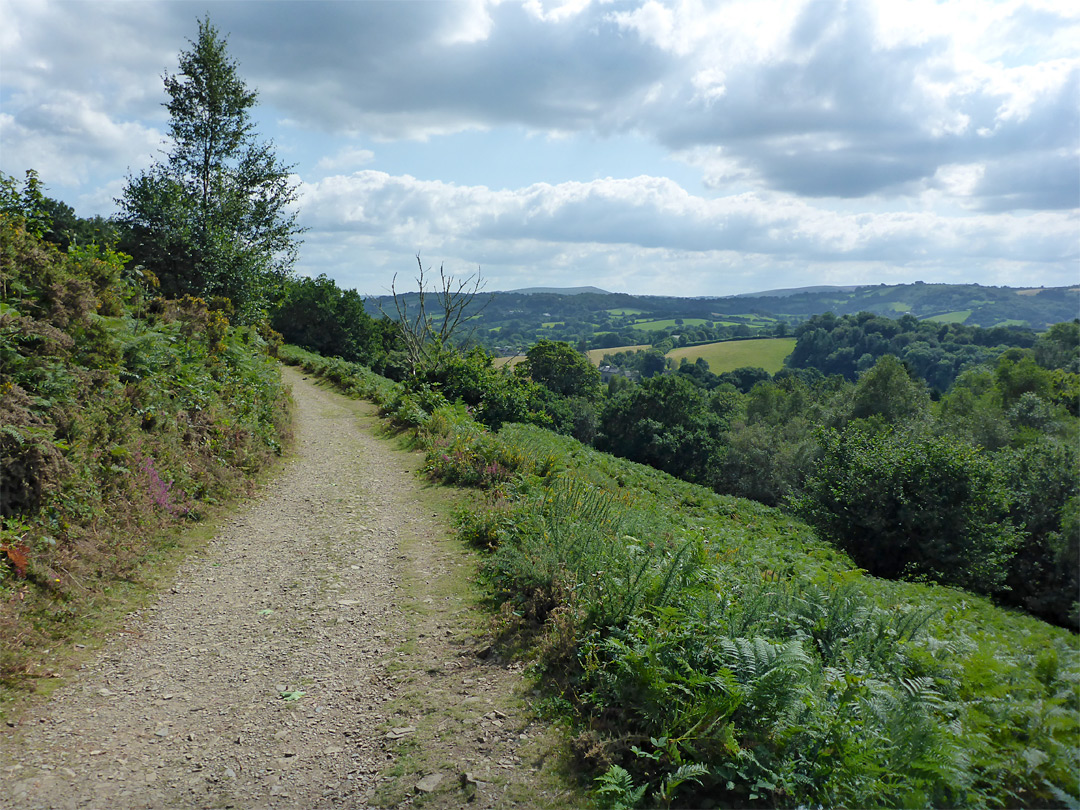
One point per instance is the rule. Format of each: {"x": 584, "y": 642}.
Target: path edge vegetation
{"x": 128, "y": 424}
{"x": 719, "y": 651}
{"x": 139, "y": 391}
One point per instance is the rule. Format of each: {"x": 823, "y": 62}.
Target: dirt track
{"x": 319, "y": 654}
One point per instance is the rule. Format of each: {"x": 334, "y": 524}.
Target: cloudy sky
{"x": 647, "y": 146}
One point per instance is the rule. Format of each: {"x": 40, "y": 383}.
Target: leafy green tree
{"x": 496, "y": 395}
{"x": 317, "y": 315}
{"x": 1044, "y": 576}
{"x": 216, "y": 218}
{"x": 909, "y": 506}
{"x": 558, "y": 367}
{"x": 652, "y": 362}
{"x": 744, "y": 378}
{"x": 1017, "y": 374}
{"x": 28, "y": 205}
{"x": 768, "y": 463}
{"x": 972, "y": 409}
{"x": 888, "y": 391}
{"x": 669, "y": 423}
{"x": 1059, "y": 347}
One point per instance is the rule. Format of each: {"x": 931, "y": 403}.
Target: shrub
{"x": 915, "y": 507}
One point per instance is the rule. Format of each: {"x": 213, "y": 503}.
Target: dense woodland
{"x": 685, "y": 553}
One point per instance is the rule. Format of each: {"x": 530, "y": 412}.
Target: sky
{"x": 646, "y": 146}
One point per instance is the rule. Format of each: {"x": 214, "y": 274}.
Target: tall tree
{"x": 556, "y": 365}
{"x": 215, "y": 218}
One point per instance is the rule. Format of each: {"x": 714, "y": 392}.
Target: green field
{"x": 625, "y": 311}
{"x": 899, "y": 306}
{"x": 668, "y": 323}
{"x": 596, "y": 355}
{"x": 951, "y": 317}
{"x": 728, "y": 355}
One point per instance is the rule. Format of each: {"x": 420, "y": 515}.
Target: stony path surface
{"x": 273, "y": 674}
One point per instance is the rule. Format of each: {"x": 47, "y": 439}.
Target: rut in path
{"x": 272, "y": 673}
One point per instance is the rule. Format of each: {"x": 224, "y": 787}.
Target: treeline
{"x": 936, "y": 353}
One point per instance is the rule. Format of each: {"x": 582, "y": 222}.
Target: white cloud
{"x": 347, "y": 158}
{"x": 474, "y": 25}
{"x": 65, "y": 136}
{"x": 558, "y": 11}
{"x": 848, "y": 137}
{"x": 655, "y": 213}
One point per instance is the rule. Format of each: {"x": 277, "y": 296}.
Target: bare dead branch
{"x": 425, "y": 345}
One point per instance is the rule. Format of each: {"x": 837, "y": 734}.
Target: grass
{"x": 667, "y": 323}
{"x": 499, "y": 362}
{"x": 728, "y": 355}
{"x": 958, "y": 316}
{"x": 710, "y": 646}
{"x": 626, "y": 311}
{"x": 597, "y": 355}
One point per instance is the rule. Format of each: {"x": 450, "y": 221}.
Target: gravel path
{"x": 272, "y": 674}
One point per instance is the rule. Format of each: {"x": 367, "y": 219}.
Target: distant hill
{"x": 971, "y": 304}
{"x": 784, "y": 293}
{"x": 509, "y": 323}
{"x": 560, "y": 291}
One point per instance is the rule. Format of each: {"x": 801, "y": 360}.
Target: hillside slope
{"x": 122, "y": 417}
{"x": 706, "y": 648}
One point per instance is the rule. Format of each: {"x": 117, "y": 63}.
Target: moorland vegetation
{"x": 123, "y": 416}
{"x": 138, "y": 385}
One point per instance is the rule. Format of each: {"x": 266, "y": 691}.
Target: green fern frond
{"x": 616, "y": 791}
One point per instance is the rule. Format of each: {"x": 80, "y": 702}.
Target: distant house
{"x": 607, "y": 372}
